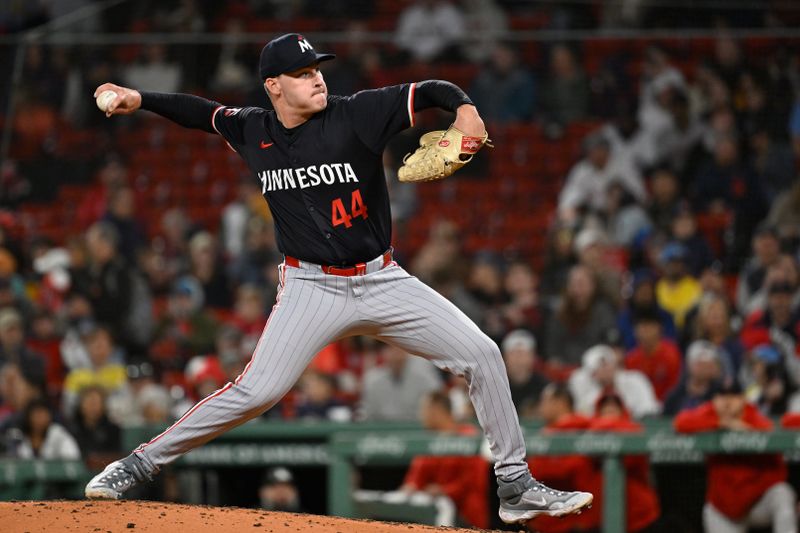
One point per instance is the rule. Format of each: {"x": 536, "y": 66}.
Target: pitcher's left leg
{"x": 419, "y": 320}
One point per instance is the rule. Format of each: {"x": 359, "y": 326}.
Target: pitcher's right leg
{"x": 311, "y": 311}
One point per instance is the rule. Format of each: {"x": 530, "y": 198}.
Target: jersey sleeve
{"x": 378, "y": 114}
{"x": 230, "y": 123}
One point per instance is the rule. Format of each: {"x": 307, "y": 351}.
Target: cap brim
{"x": 304, "y": 62}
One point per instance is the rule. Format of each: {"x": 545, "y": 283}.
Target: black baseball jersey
{"x": 324, "y": 179}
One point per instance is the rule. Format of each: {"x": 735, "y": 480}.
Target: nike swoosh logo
{"x": 543, "y": 502}
{"x": 264, "y": 145}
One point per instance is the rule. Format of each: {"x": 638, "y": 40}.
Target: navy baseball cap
{"x": 287, "y": 53}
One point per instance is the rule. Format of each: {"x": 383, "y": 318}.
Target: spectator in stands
{"x": 153, "y": 405}
{"x": 76, "y": 312}
{"x": 206, "y": 266}
{"x": 186, "y": 328}
{"x": 106, "y": 370}
{"x": 659, "y": 78}
{"x": 664, "y": 199}
{"x": 556, "y": 409}
{"x": 393, "y": 390}
{"x": 643, "y": 508}
{"x": 713, "y": 324}
{"x": 682, "y": 148}
{"x": 121, "y": 214}
{"x": 98, "y": 438}
{"x": 701, "y": 378}
{"x": 203, "y": 375}
{"x": 45, "y": 339}
{"x": 654, "y": 356}
{"x": 118, "y": 296}
{"x": 779, "y": 318}
{"x": 785, "y": 214}
{"x": 229, "y": 351}
{"x": 766, "y": 252}
{"x": 440, "y": 253}
{"x": 725, "y": 184}
{"x": 39, "y": 437}
{"x": 519, "y": 354}
{"x": 154, "y": 72}
{"x": 625, "y": 219}
{"x": 677, "y": 291}
{"x": 766, "y": 380}
{"x": 594, "y": 251}
{"x": 784, "y": 270}
{"x": 486, "y": 24}
{"x": 761, "y": 496}
{"x": 258, "y": 255}
{"x": 523, "y": 309}
{"x": 249, "y": 313}
{"x": 643, "y": 300}
{"x": 684, "y": 231}
{"x": 601, "y": 371}
{"x": 504, "y": 90}
{"x": 430, "y": 30}
{"x": 559, "y": 259}
{"x": 565, "y": 90}
{"x": 485, "y": 286}
{"x": 728, "y": 61}
{"x": 318, "y": 398}
{"x": 12, "y": 344}
{"x": 176, "y": 233}
{"x": 236, "y": 219}
{"x": 94, "y": 203}
{"x": 580, "y": 321}
{"x": 628, "y": 139}
{"x": 463, "y": 479}
{"x": 586, "y": 185}
{"x": 773, "y": 162}
{"x": 232, "y": 73}
{"x": 278, "y": 491}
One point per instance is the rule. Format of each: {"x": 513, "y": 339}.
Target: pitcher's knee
{"x": 252, "y": 401}
{"x": 486, "y": 357}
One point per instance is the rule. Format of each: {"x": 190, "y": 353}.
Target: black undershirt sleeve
{"x": 185, "y": 109}
{"x": 439, "y": 93}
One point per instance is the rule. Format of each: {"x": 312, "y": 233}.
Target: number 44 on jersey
{"x": 339, "y": 214}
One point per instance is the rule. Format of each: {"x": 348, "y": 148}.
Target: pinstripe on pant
{"x": 314, "y": 309}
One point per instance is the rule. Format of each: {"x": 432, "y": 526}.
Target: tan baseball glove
{"x": 440, "y": 153}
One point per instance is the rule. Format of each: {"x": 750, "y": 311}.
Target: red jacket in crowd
{"x": 735, "y": 482}
{"x": 463, "y": 479}
{"x": 642, "y": 506}
{"x": 662, "y": 367}
{"x": 791, "y": 421}
{"x": 577, "y": 472}
{"x": 757, "y": 325}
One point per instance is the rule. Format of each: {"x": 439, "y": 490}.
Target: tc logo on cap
{"x": 287, "y": 53}
{"x": 304, "y": 46}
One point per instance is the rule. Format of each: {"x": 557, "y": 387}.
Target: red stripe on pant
{"x": 227, "y": 385}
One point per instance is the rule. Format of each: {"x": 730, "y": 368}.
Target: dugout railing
{"x": 343, "y": 448}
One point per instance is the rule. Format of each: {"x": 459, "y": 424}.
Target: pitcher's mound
{"x": 130, "y": 516}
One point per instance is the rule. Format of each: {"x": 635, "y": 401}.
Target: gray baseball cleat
{"x": 525, "y": 498}
{"x": 117, "y": 478}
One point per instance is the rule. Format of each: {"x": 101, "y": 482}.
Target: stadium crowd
{"x": 670, "y": 276}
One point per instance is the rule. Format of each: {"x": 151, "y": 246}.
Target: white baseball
{"x": 105, "y": 98}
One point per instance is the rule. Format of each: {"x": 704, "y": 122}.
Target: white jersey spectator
{"x": 427, "y": 28}
{"x": 588, "y": 181}
{"x": 601, "y": 371}
{"x": 393, "y": 391}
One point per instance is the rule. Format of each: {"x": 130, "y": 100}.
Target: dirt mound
{"x": 133, "y": 516}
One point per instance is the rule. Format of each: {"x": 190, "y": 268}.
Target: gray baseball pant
{"x": 314, "y": 309}
{"x": 776, "y": 507}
